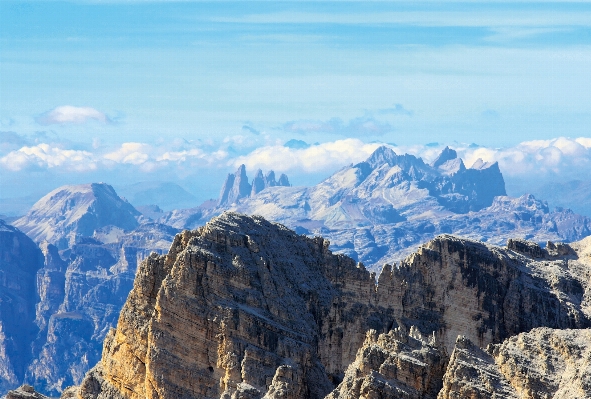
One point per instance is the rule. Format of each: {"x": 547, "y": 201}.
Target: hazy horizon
{"x": 144, "y": 91}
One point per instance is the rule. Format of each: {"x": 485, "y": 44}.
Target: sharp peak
{"x": 383, "y": 149}
{"x": 381, "y": 155}
{"x": 447, "y": 154}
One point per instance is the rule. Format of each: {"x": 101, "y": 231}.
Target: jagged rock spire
{"x": 237, "y": 186}
{"x": 258, "y": 183}
{"x": 283, "y": 180}
{"x": 446, "y": 155}
{"x": 270, "y": 179}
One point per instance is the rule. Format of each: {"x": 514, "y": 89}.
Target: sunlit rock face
{"x": 542, "y": 363}
{"x": 247, "y": 308}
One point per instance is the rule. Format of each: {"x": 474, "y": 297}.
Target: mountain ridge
{"x": 260, "y": 311}
{"x": 378, "y": 209}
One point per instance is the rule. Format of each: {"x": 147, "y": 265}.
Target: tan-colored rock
{"x": 543, "y": 363}
{"x": 226, "y": 314}
{"x": 245, "y": 308}
{"x": 394, "y": 365}
{"x": 472, "y": 373}
{"x": 457, "y": 287}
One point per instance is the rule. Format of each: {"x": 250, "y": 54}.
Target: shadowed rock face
{"x": 19, "y": 261}
{"x": 80, "y": 300}
{"x": 246, "y": 308}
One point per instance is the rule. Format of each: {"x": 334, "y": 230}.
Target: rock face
{"x": 246, "y": 308}
{"x": 19, "y": 261}
{"x": 25, "y": 392}
{"x": 380, "y": 210}
{"x": 543, "y": 363}
{"x": 394, "y": 365}
{"x": 250, "y": 296}
{"x": 72, "y": 211}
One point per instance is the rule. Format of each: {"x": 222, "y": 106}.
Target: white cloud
{"x": 47, "y": 156}
{"x": 317, "y": 158}
{"x": 539, "y": 159}
{"x": 130, "y": 153}
{"x": 570, "y": 158}
{"x": 68, "y": 114}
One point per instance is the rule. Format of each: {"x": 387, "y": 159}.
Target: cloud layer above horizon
{"x": 566, "y": 158}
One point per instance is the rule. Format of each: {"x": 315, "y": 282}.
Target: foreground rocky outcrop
{"x": 244, "y": 308}
{"x": 25, "y": 391}
{"x": 394, "y": 365}
{"x": 543, "y": 363}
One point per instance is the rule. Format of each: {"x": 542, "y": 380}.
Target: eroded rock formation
{"x": 542, "y": 363}
{"x": 245, "y": 308}
{"x": 394, "y": 365}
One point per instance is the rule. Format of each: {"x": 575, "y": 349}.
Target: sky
{"x": 131, "y": 91}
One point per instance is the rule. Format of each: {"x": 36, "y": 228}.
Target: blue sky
{"x": 164, "y": 90}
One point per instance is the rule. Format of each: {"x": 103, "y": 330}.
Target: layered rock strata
{"x": 246, "y": 308}
{"x": 394, "y": 365}
{"x": 542, "y": 363}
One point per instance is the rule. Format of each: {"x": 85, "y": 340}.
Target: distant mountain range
{"x": 89, "y": 241}
{"x": 379, "y": 210}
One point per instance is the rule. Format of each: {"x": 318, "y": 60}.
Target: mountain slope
{"x": 79, "y": 210}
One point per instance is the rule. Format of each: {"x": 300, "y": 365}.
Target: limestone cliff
{"x": 394, "y": 365}
{"x": 245, "y": 308}
{"x": 543, "y": 363}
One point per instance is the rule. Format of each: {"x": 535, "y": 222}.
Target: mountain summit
{"x": 76, "y": 210}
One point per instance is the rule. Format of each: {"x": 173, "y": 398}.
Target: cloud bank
{"x": 561, "y": 157}
{"x": 68, "y": 114}
{"x": 526, "y": 165}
